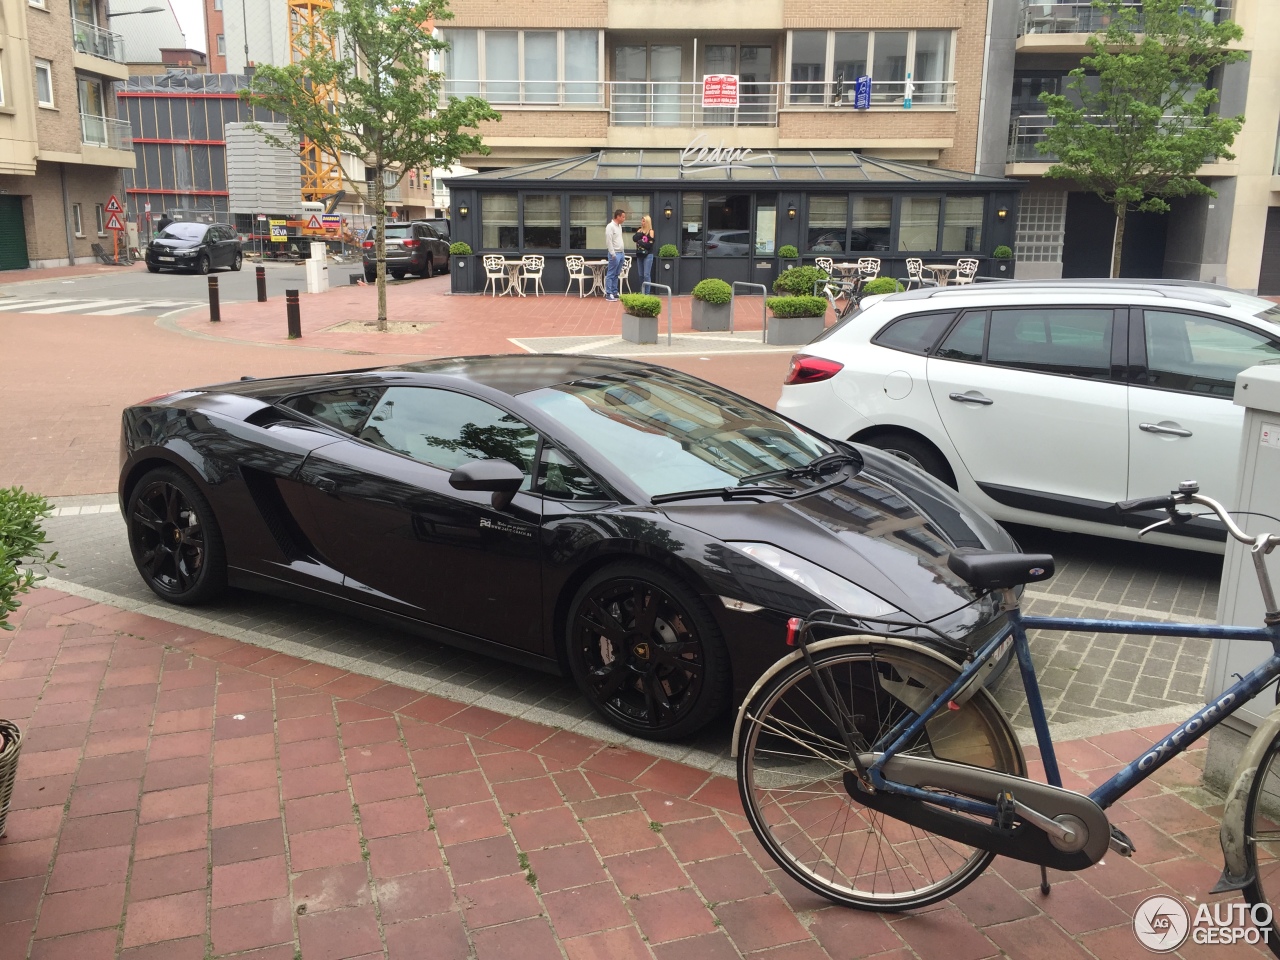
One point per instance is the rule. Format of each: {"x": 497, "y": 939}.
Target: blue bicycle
{"x": 884, "y": 776}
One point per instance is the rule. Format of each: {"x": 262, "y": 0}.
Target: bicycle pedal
{"x": 1121, "y": 843}
{"x": 1005, "y": 810}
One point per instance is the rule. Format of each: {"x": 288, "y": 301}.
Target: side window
{"x": 562, "y": 479}
{"x": 964, "y": 342}
{"x": 344, "y": 409}
{"x": 1199, "y": 354}
{"x": 447, "y": 429}
{"x": 915, "y": 334}
{"x": 1066, "y": 341}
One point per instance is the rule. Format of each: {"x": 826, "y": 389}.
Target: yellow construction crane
{"x": 321, "y": 172}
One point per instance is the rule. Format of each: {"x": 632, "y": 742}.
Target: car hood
{"x": 168, "y": 243}
{"x": 889, "y": 529}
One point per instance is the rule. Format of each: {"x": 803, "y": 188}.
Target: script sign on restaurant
{"x": 720, "y": 90}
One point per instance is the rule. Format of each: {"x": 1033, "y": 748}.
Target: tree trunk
{"x": 380, "y": 244}
{"x": 1117, "y": 244}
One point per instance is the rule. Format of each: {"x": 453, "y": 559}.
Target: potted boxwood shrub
{"x": 712, "y": 305}
{"x": 21, "y": 545}
{"x": 795, "y": 319}
{"x": 799, "y": 281}
{"x": 1003, "y": 257}
{"x": 669, "y": 254}
{"x": 881, "y": 285}
{"x": 789, "y": 256}
{"x": 459, "y": 272}
{"x": 640, "y": 317}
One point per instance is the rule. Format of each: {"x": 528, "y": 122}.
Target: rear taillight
{"x": 409, "y": 243}
{"x": 368, "y": 244}
{"x": 806, "y": 369}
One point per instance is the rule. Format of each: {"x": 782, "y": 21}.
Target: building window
{"x": 542, "y": 222}
{"x": 222, "y": 45}
{"x": 588, "y": 216}
{"x": 1, "y": 81}
{"x": 217, "y": 4}
{"x": 36, "y": 3}
{"x": 827, "y": 219}
{"x": 918, "y": 224}
{"x": 100, "y": 215}
{"x": 500, "y": 225}
{"x": 962, "y": 224}
{"x": 44, "y": 83}
{"x": 1042, "y": 217}
{"x": 76, "y": 222}
{"x": 825, "y": 64}
{"x": 524, "y": 66}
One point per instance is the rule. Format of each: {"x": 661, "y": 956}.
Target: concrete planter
{"x": 793, "y": 330}
{"x": 639, "y": 329}
{"x": 1003, "y": 269}
{"x": 460, "y": 272}
{"x": 710, "y": 316}
{"x": 668, "y": 272}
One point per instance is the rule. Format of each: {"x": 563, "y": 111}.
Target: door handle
{"x": 324, "y": 483}
{"x": 1157, "y": 428}
{"x": 967, "y": 398}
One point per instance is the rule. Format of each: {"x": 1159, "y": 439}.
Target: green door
{"x": 13, "y": 235}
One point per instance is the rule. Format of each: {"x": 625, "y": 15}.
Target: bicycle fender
{"x": 819, "y": 647}
{"x": 1236, "y": 873}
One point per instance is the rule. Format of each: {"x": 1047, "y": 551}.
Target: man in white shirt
{"x": 614, "y": 249}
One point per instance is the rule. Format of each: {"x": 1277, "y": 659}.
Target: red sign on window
{"x": 720, "y": 90}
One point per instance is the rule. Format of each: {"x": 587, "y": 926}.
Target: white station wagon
{"x": 1045, "y": 402}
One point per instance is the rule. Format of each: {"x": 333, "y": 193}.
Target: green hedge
{"x": 1002, "y": 253}
{"x": 882, "y": 285}
{"x": 712, "y": 290}
{"x": 788, "y": 252}
{"x": 641, "y": 304}
{"x": 668, "y": 250}
{"x": 799, "y": 281}
{"x": 798, "y": 306}
{"x": 460, "y": 249}
{"x": 21, "y": 544}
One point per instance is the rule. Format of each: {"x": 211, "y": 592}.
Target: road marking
{"x": 78, "y": 306}
{"x": 20, "y": 306}
{"x": 112, "y": 307}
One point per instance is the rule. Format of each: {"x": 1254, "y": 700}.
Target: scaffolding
{"x": 321, "y": 172}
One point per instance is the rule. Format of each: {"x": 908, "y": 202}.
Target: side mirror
{"x": 501, "y": 477}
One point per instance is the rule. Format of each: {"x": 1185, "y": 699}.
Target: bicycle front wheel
{"x": 792, "y": 761}
{"x": 1262, "y": 841}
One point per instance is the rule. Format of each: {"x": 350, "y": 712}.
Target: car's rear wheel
{"x": 204, "y": 265}
{"x": 646, "y": 653}
{"x": 428, "y": 269}
{"x": 174, "y": 538}
{"x": 917, "y": 452}
{"x": 238, "y": 262}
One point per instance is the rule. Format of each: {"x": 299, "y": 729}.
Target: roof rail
{"x": 1175, "y": 289}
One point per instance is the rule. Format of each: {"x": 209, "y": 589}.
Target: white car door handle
{"x": 1157, "y": 428}
{"x": 972, "y": 398}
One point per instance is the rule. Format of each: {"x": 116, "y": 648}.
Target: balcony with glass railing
{"x": 105, "y": 132}
{"x": 1028, "y": 131}
{"x": 570, "y": 94}
{"x": 1084, "y": 17}
{"x": 94, "y": 41}
{"x": 390, "y": 189}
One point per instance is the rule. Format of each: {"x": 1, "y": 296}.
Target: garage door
{"x": 1269, "y": 275}
{"x": 13, "y": 235}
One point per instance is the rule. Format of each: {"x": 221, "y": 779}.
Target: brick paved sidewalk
{"x": 183, "y": 795}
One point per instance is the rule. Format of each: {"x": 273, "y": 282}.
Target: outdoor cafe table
{"x": 513, "y": 268}
{"x": 598, "y": 269}
{"x": 942, "y": 271}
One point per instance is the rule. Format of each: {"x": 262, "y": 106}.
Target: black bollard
{"x": 294, "y": 312}
{"x": 215, "y": 311}
{"x": 261, "y": 273}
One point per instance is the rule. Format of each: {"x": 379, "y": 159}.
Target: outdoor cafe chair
{"x": 531, "y": 269}
{"x": 624, "y": 278}
{"x": 578, "y": 271}
{"x": 915, "y": 274}
{"x": 966, "y": 270}
{"x": 495, "y": 272}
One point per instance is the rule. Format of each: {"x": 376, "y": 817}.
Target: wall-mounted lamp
{"x": 463, "y": 210}
{"x": 1002, "y": 214}
{"x": 666, "y": 211}
{"x": 791, "y": 211}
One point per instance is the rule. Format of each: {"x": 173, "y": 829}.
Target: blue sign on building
{"x": 862, "y": 93}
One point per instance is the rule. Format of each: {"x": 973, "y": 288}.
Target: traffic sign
{"x": 146, "y": 207}
{"x": 113, "y": 206}
{"x": 113, "y": 222}
{"x": 313, "y": 223}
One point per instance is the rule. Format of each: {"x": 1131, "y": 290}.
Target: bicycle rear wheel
{"x": 792, "y": 761}
{"x": 1262, "y": 840}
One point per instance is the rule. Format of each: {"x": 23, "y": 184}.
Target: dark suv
{"x": 414, "y": 247}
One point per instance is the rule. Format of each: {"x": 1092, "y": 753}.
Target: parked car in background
{"x": 414, "y": 247}
{"x": 1045, "y": 402}
{"x": 721, "y": 243}
{"x": 441, "y": 225}
{"x": 184, "y": 245}
{"x": 644, "y": 531}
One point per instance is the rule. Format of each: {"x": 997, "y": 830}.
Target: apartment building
{"x": 1233, "y": 238}
{"x": 61, "y": 146}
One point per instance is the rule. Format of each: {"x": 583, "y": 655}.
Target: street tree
{"x": 1139, "y": 118}
{"x": 365, "y": 87}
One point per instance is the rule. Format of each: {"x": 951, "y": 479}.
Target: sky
{"x": 190, "y": 15}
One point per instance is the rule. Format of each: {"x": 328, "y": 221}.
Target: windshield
{"x": 398, "y": 230}
{"x": 183, "y": 231}
{"x": 669, "y": 433}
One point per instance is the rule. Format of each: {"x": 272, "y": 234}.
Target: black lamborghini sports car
{"x": 642, "y": 530}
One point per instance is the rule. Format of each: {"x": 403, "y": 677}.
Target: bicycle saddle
{"x": 989, "y": 570}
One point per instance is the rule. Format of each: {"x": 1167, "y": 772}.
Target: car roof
{"x": 521, "y": 373}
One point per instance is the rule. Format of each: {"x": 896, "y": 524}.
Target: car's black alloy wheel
{"x": 238, "y": 261}
{"x": 205, "y": 265}
{"x": 175, "y": 539}
{"x": 646, "y": 653}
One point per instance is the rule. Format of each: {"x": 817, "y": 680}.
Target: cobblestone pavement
{"x": 184, "y": 796}
{"x": 1090, "y": 682}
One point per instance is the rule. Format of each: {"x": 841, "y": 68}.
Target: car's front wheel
{"x": 204, "y": 265}
{"x": 646, "y": 653}
{"x": 153, "y": 268}
{"x": 174, "y": 538}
